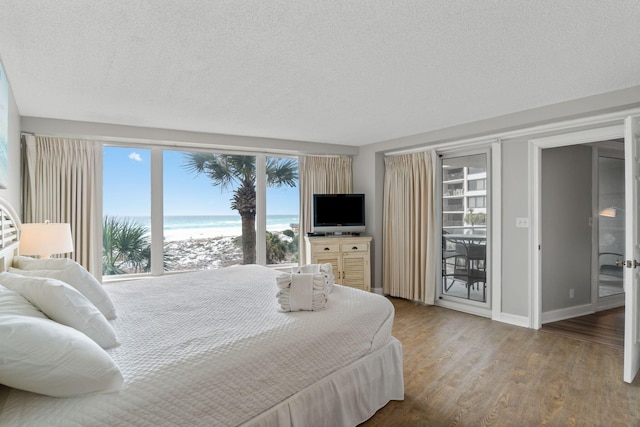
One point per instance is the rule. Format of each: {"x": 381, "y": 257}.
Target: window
{"x": 200, "y": 227}
{"x": 209, "y": 207}
{"x": 126, "y": 208}
{"x": 453, "y": 189}
{"x": 453, "y": 205}
{"x": 477, "y": 202}
{"x": 477, "y": 185}
{"x": 283, "y": 206}
{"x": 452, "y": 174}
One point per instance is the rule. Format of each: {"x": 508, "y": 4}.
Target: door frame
{"x": 535, "y": 207}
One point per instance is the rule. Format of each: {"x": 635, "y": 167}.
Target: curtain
{"x": 320, "y": 175}
{"x": 62, "y": 182}
{"x": 409, "y": 228}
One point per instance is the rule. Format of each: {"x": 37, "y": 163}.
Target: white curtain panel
{"x": 409, "y": 230}
{"x": 62, "y": 182}
{"x": 320, "y": 175}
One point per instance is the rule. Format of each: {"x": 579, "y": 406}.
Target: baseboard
{"x": 567, "y": 313}
{"x": 450, "y": 303}
{"x": 512, "y": 319}
{"x": 611, "y": 302}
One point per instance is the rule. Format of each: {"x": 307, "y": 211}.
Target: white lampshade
{"x": 45, "y": 239}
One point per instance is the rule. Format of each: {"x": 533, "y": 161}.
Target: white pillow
{"x": 43, "y": 356}
{"x": 28, "y": 263}
{"x": 11, "y": 302}
{"x": 77, "y": 276}
{"x": 63, "y": 304}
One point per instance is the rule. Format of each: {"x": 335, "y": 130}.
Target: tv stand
{"x": 350, "y": 257}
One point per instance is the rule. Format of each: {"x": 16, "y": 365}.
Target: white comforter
{"x": 211, "y": 348}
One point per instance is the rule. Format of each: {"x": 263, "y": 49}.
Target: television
{"x": 338, "y": 213}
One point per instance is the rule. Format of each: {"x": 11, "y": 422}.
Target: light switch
{"x": 522, "y": 222}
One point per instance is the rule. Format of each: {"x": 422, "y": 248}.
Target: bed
{"x": 212, "y": 348}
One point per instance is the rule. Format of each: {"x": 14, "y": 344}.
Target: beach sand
{"x": 201, "y": 253}
{"x": 204, "y": 253}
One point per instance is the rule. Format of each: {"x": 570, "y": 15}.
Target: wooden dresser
{"x": 350, "y": 257}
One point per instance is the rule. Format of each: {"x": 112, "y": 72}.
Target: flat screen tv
{"x": 338, "y": 213}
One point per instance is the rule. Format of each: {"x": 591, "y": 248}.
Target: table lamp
{"x": 45, "y": 239}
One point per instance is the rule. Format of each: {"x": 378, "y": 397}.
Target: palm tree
{"x": 239, "y": 174}
{"x": 125, "y": 247}
{"x": 276, "y": 249}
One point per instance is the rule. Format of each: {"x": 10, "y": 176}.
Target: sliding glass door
{"x": 465, "y": 193}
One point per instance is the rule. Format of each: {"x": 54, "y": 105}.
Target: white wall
{"x": 373, "y": 205}
{"x": 566, "y": 210}
{"x": 515, "y": 241}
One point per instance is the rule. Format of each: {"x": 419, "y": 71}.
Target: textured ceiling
{"x": 344, "y": 72}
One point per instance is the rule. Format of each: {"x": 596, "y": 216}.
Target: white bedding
{"x": 211, "y": 348}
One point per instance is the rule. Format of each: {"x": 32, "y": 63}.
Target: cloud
{"x": 135, "y": 156}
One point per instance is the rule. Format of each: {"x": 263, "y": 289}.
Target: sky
{"x": 127, "y": 184}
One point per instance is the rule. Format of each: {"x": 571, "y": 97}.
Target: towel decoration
{"x": 325, "y": 269}
{"x": 301, "y": 292}
{"x": 306, "y": 290}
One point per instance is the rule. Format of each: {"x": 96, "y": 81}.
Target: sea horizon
{"x": 183, "y": 227}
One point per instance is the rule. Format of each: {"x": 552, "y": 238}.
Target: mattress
{"x": 212, "y": 348}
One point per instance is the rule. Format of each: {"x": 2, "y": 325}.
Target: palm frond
{"x": 282, "y": 171}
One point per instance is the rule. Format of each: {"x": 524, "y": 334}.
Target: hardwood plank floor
{"x": 464, "y": 370}
{"x": 604, "y": 327}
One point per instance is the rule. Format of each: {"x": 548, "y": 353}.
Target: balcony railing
{"x": 454, "y": 192}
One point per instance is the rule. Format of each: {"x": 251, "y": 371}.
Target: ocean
{"x": 206, "y": 226}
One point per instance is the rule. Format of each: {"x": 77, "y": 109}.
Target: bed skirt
{"x": 347, "y": 397}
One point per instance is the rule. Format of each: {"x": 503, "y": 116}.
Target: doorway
{"x": 582, "y": 229}
{"x": 586, "y": 216}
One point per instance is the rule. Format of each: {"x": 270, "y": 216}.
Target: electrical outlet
{"x": 522, "y": 222}
{"x": 571, "y": 293}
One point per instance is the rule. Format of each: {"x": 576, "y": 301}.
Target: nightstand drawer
{"x": 355, "y": 247}
{"x": 326, "y": 248}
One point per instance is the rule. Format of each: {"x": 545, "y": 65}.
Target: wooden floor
{"x": 464, "y": 370}
{"x": 604, "y": 327}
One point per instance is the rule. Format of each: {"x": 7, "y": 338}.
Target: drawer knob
{"x": 326, "y": 249}
{"x": 355, "y": 248}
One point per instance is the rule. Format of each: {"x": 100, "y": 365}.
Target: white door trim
{"x": 632, "y": 249}
{"x": 495, "y": 257}
{"x": 535, "y": 156}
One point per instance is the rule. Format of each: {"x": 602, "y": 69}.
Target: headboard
{"x": 10, "y": 226}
